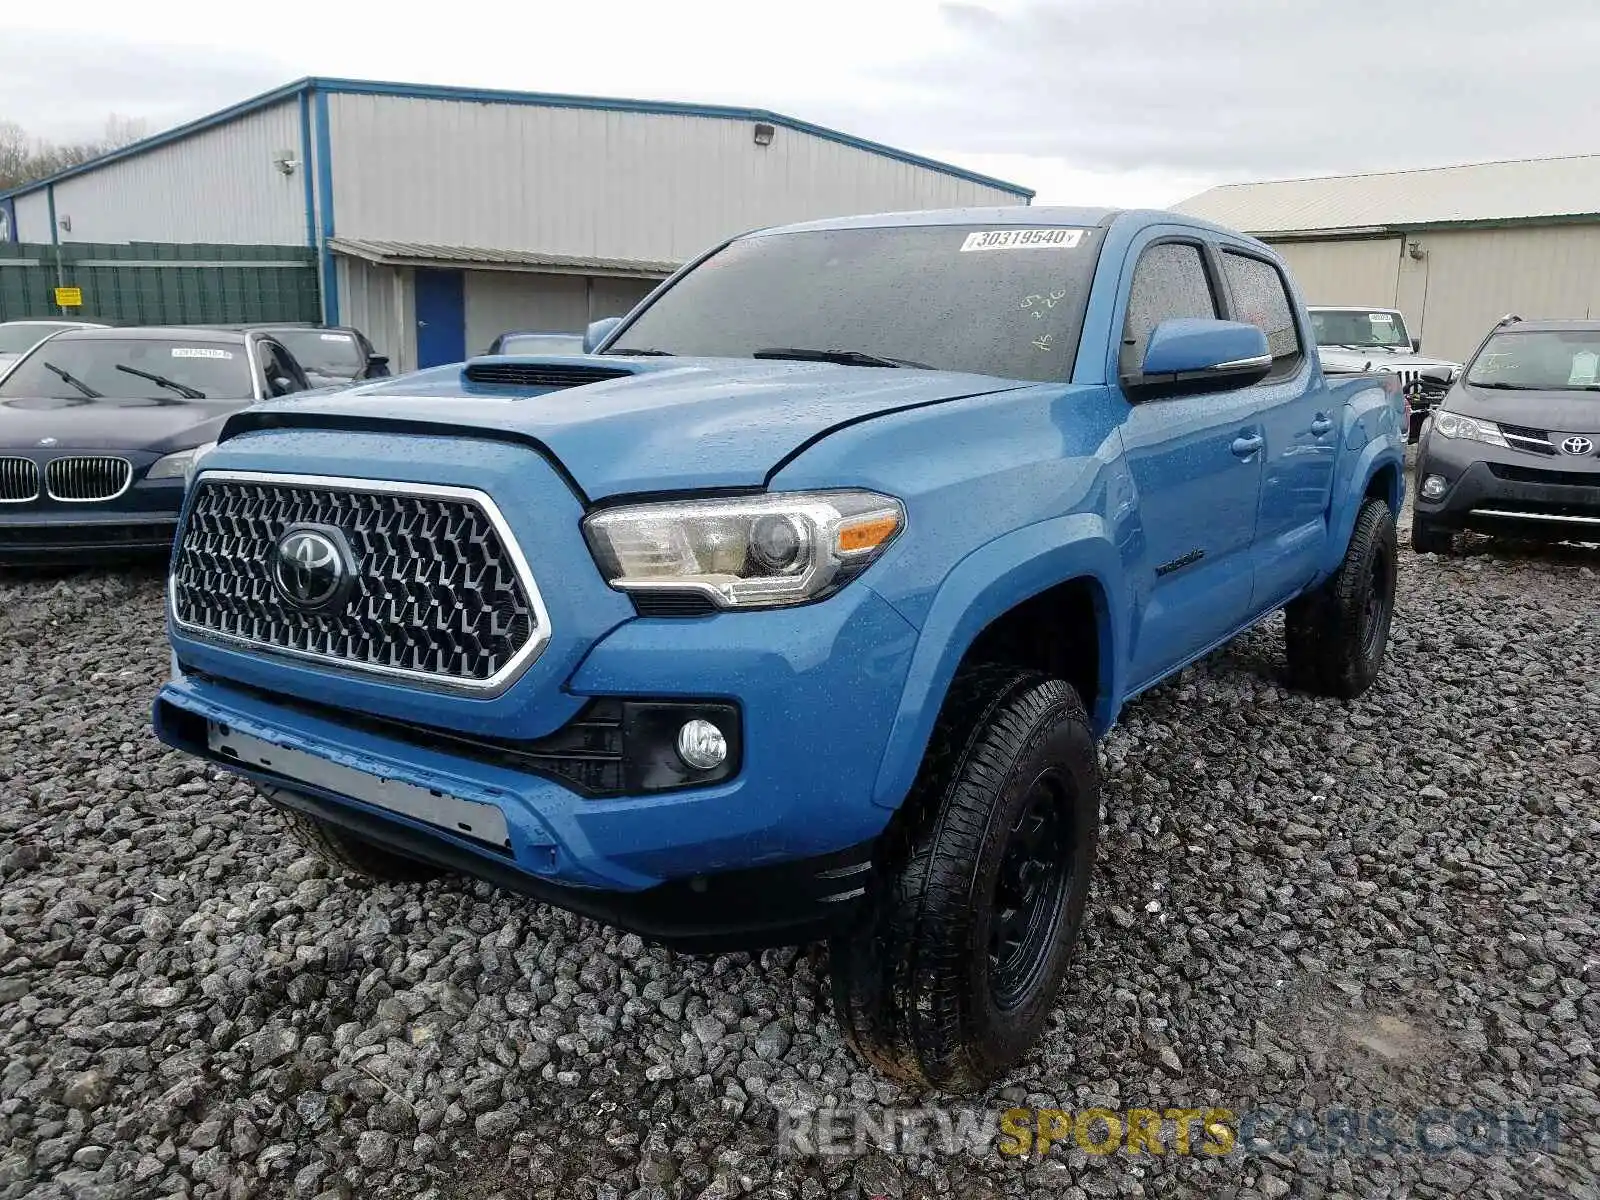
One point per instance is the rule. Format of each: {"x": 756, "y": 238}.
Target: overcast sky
{"x": 1087, "y": 101}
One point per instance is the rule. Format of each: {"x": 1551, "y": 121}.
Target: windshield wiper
{"x": 183, "y": 389}
{"x": 644, "y": 353}
{"x": 1506, "y": 387}
{"x": 845, "y": 358}
{"x": 73, "y": 380}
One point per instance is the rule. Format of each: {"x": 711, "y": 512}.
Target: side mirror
{"x": 282, "y": 385}
{"x": 377, "y": 365}
{"x": 1416, "y": 345}
{"x": 598, "y": 332}
{"x": 1199, "y": 354}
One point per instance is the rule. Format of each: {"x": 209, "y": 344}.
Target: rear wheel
{"x": 1336, "y": 636}
{"x": 354, "y": 855}
{"x": 951, "y": 975}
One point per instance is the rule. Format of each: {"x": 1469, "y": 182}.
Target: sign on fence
{"x": 69, "y": 297}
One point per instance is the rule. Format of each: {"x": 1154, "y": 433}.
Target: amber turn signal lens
{"x": 866, "y": 533}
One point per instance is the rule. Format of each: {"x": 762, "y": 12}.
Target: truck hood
{"x": 1558, "y": 411}
{"x": 665, "y": 425}
{"x": 111, "y": 424}
{"x": 1337, "y": 358}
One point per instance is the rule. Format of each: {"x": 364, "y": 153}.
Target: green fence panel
{"x": 149, "y": 283}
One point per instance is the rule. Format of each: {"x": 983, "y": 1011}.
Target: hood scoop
{"x": 516, "y": 373}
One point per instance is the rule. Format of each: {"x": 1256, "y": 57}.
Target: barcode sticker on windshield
{"x": 335, "y": 337}
{"x": 1023, "y": 239}
{"x": 1381, "y": 318}
{"x": 196, "y": 352}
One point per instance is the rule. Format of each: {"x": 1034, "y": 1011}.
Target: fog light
{"x": 701, "y": 745}
{"x": 1433, "y": 487}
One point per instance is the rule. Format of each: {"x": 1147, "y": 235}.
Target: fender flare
{"x": 1375, "y": 457}
{"x": 985, "y": 584}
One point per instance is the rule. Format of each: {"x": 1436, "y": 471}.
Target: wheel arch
{"x": 1379, "y": 472}
{"x": 1063, "y": 569}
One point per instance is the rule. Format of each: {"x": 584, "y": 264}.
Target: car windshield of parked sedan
{"x": 1539, "y": 361}
{"x": 993, "y": 301}
{"x": 334, "y": 355}
{"x": 19, "y": 338}
{"x": 86, "y": 369}
{"x": 541, "y": 343}
{"x": 1378, "y": 328}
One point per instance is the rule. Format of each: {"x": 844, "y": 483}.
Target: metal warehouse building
{"x": 441, "y": 217}
{"x": 1454, "y": 248}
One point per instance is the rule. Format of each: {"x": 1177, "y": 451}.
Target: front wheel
{"x": 951, "y": 975}
{"x": 1336, "y": 636}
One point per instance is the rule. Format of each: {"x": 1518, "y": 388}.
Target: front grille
{"x": 439, "y": 593}
{"x": 1535, "y": 441}
{"x": 19, "y": 480}
{"x": 87, "y": 477}
{"x": 1588, "y": 479}
{"x": 545, "y": 375}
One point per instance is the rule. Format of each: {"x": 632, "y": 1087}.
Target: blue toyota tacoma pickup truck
{"x": 795, "y": 607}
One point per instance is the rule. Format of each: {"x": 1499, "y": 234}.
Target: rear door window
{"x": 1261, "y": 298}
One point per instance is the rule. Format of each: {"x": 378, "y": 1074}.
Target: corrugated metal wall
{"x": 378, "y": 301}
{"x": 501, "y": 301}
{"x": 1345, "y": 272}
{"x": 142, "y": 284}
{"x": 597, "y": 183}
{"x": 33, "y": 218}
{"x": 1466, "y": 280}
{"x": 218, "y": 186}
{"x": 1470, "y": 279}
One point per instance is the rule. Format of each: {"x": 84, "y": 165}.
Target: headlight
{"x": 745, "y": 552}
{"x": 1471, "y": 429}
{"x": 180, "y": 465}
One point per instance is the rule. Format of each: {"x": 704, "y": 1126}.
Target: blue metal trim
{"x": 408, "y": 91}
{"x": 55, "y": 230}
{"x": 305, "y": 169}
{"x": 330, "y": 273}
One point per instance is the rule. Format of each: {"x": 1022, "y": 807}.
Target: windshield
{"x": 541, "y": 343}
{"x": 322, "y": 353}
{"x": 19, "y": 339}
{"x": 1006, "y": 302}
{"x": 79, "y": 368}
{"x": 1545, "y": 361}
{"x": 1379, "y": 327}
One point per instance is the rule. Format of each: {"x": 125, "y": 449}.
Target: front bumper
{"x": 141, "y": 521}
{"x": 1509, "y": 491}
{"x": 675, "y": 865}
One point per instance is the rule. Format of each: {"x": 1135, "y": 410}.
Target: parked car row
{"x": 100, "y": 425}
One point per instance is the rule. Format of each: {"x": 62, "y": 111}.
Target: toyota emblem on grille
{"x": 311, "y": 566}
{"x": 1577, "y": 445}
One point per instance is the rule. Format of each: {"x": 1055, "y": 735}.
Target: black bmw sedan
{"x": 100, "y": 428}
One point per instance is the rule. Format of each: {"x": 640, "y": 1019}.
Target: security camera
{"x": 286, "y": 162}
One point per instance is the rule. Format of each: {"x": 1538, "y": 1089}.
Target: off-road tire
{"x": 352, "y": 854}
{"x": 1430, "y": 539}
{"x": 914, "y": 988}
{"x": 1336, "y": 636}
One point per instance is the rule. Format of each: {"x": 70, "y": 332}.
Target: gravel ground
{"x": 1300, "y": 902}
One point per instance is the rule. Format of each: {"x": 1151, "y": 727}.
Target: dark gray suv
{"x": 1515, "y": 445}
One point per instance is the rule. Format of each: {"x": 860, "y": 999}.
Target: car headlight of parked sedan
{"x": 180, "y": 464}
{"x": 1471, "y": 429}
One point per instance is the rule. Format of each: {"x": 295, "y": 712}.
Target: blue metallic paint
{"x": 1053, "y": 483}
{"x": 330, "y": 273}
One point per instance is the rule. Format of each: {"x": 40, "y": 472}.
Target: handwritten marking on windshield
{"x": 1043, "y": 341}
